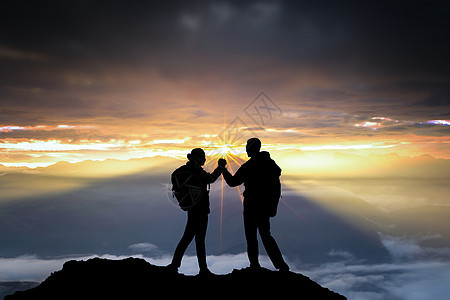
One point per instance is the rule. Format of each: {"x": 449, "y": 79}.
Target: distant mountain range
{"x": 107, "y": 215}
{"x": 371, "y": 166}
{"x": 59, "y": 211}
{"x": 97, "y": 168}
{"x": 108, "y": 207}
{"x": 341, "y": 165}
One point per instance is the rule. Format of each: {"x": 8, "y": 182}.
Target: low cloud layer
{"x": 34, "y": 268}
{"x": 413, "y": 275}
{"x": 408, "y": 281}
{"x": 405, "y": 280}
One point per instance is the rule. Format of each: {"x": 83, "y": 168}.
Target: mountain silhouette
{"x": 9, "y": 287}
{"x": 134, "y": 278}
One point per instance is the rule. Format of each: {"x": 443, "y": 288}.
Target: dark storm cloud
{"x": 94, "y": 50}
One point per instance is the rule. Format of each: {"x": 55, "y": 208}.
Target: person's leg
{"x": 270, "y": 244}
{"x": 186, "y": 239}
{"x": 200, "y": 235}
{"x": 250, "y": 228}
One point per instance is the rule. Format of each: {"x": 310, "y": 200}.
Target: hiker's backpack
{"x": 273, "y": 192}
{"x": 266, "y": 186}
{"x": 186, "y": 187}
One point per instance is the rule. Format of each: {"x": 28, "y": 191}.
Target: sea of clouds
{"x": 412, "y": 275}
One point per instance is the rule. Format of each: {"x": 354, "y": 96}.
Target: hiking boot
{"x": 171, "y": 268}
{"x": 284, "y": 268}
{"x": 205, "y": 273}
{"x": 255, "y": 267}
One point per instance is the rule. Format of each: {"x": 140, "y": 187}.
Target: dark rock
{"x": 134, "y": 278}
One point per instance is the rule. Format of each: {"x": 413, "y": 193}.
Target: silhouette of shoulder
{"x": 199, "y": 172}
{"x": 256, "y": 169}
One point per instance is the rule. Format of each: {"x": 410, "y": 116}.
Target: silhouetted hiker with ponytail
{"x": 189, "y": 185}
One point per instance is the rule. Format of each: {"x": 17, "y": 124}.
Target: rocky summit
{"x": 135, "y": 278}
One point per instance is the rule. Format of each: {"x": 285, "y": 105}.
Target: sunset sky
{"x": 101, "y": 100}
{"x": 121, "y": 79}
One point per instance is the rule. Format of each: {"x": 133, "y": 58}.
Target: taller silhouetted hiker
{"x": 190, "y": 184}
{"x": 260, "y": 176}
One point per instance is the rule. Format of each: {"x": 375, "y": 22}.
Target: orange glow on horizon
{"x": 47, "y": 152}
{"x": 77, "y": 143}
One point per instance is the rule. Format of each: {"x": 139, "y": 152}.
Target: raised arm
{"x": 211, "y": 177}
{"x": 233, "y": 180}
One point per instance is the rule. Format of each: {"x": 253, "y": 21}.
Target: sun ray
{"x": 296, "y": 212}
{"x": 234, "y": 159}
{"x": 222, "y": 147}
{"x": 221, "y": 217}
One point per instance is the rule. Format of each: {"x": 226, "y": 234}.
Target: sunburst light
{"x": 222, "y": 148}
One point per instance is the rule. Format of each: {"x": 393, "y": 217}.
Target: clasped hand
{"x": 222, "y": 164}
